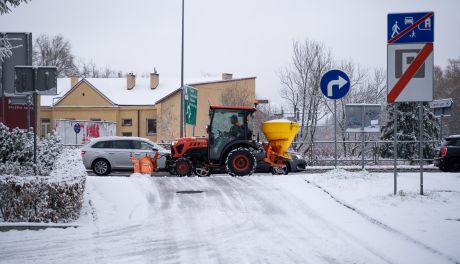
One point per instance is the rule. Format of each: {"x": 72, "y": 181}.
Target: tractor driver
{"x": 236, "y": 130}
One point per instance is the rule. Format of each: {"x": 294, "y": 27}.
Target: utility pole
{"x": 182, "y": 78}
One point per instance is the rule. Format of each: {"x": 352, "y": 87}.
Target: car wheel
{"x": 443, "y": 168}
{"x": 240, "y": 162}
{"x": 202, "y": 171}
{"x": 454, "y": 165}
{"x": 101, "y": 167}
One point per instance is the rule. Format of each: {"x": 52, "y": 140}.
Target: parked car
{"x": 448, "y": 155}
{"x": 104, "y": 154}
{"x": 296, "y": 164}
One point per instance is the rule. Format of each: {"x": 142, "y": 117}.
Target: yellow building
{"x": 144, "y": 107}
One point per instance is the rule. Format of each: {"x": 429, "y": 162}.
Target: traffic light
{"x": 23, "y": 79}
{"x": 29, "y": 79}
{"x": 46, "y": 80}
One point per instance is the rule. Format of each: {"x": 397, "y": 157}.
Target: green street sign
{"x": 190, "y": 104}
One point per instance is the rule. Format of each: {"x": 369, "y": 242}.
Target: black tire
{"x": 240, "y": 162}
{"x": 101, "y": 167}
{"x": 443, "y": 168}
{"x": 454, "y": 165}
{"x": 183, "y": 167}
{"x": 287, "y": 169}
{"x": 282, "y": 171}
{"x": 202, "y": 171}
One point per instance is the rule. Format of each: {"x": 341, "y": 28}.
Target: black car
{"x": 296, "y": 164}
{"x": 448, "y": 155}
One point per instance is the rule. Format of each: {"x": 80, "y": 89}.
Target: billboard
{"x": 363, "y": 118}
{"x": 12, "y": 107}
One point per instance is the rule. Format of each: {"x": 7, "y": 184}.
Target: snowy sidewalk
{"x": 220, "y": 219}
{"x": 432, "y": 219}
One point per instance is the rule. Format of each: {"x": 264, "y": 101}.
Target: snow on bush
{"x": 16, "y": 152}
{"x": 54, "y": 198}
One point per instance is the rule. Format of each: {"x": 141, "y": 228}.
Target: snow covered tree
{"x": 49, "y": 149}
{"x": 21, "y": 147}
{"x": 408, "y": 130}
{"x": 5, "y": 48}
{"x": 6, "y": 5}
{"x": 5, "y": 142}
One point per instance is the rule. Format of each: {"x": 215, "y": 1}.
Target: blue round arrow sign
{"x": 76, "y": 128}
{"x": 335, "y": 84}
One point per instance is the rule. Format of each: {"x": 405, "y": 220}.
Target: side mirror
{"x": 207, "y": 129}
{"x": 155, "y": 149}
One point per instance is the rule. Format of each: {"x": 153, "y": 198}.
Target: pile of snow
{"x": 54, "y": 198}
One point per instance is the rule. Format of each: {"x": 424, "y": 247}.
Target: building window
{"x": 45, "y": 127}
{"x": 127, "y": 122}
{"x": 127, "y": 134}
{"x": 151, "y": 127}
{"x": 95, "y": 119}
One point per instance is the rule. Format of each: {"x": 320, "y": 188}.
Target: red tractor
{"x": 229, "y": 145}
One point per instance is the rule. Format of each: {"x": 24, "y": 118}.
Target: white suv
{"x": 104, "y": 154}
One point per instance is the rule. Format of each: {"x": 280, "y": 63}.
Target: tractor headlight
{"x": 174, "y": 143}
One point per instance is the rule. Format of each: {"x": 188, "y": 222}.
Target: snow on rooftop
{"x": 116, "y": 90}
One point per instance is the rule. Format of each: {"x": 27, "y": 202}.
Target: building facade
{"x": 144, "y": 107}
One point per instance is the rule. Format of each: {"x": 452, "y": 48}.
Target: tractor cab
{"x": 229, "y": 126}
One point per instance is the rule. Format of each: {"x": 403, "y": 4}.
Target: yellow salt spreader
{"x": 279, "y": 133}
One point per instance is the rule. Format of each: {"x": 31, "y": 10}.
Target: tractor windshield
{"x": 227, "y": 126}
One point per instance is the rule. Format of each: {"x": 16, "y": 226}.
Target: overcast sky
{"x": 244, "y": 37}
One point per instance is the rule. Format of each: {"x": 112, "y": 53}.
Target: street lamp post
{"x": 182, "y": 78}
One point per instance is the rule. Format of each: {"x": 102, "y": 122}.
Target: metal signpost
{"x": 410, "y": 38}
{"x": 363, "y": 118}
{"x": 334, "y": 85}
{"x": 29, "y": 80}
{"x": 76, "y": 128}
{"x": 441, "y": 109}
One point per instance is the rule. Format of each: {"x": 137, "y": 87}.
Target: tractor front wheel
{"x": 183, "y": 167}
{"x": 240, "y": 162}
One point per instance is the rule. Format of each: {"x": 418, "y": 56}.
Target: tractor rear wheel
{"x": 183, "y": 167}
{"x": 240, "y": 162}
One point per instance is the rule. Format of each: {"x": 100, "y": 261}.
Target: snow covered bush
{"x": 54, "y": 198}
{"x": 16, "y": 152}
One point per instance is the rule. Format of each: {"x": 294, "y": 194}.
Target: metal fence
{"x": 350, "y": 152}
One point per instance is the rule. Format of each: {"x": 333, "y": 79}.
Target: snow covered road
{"x": 221, "y": 219}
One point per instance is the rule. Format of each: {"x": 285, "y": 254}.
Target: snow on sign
{"x": 410, "y": 28}
{"x": 410, "y": 72}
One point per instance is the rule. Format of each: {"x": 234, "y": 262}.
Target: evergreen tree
{"x": 408, "y": 130}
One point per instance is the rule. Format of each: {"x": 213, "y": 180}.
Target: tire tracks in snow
{"x": 383, "y": 225}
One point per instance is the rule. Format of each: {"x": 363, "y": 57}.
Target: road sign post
{"x": 410, "y": 38}
{"x": 76, "y": 129}
{"x": 29, "y": 80}
{"x": 441, "y": 109}
{"x": 363, "y": 118}
{"x": 334, "y": 85}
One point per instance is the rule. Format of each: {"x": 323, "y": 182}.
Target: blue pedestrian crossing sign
{"x": 335, "y": 84}
{"x": 410, "y": 28}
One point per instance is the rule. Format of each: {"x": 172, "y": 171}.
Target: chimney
{"x": 73, "y": 80}
{"x": 154, "y": 80}
{"x": 227, "y": 76}
{"x": 130, "y": 80}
